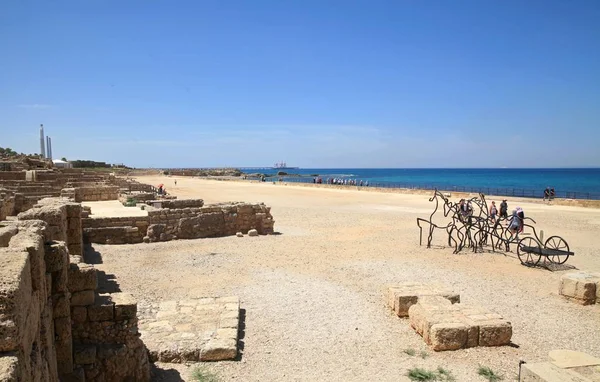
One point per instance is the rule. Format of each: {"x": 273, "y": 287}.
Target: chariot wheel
{"x": 558, "y": 243}
{"x": 529, "y": 259}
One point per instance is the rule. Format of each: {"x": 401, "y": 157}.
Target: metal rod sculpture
{"x": 470, "y": 225}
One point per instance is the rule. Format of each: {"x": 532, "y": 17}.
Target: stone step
{"x": 447, "y": 326}
{"x": 401, "y": 297}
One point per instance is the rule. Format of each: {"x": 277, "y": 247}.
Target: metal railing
{"x": 497, "y": 191}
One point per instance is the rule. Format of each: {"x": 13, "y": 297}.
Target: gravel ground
{"x": 312, "y": 296}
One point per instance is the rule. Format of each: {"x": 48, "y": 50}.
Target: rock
{"x": 239, "y": 234}
{"x": 253, "y": 232}
{"x": 146, "y": 239}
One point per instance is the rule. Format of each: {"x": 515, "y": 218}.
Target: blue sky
{"x": 316, "y": 83}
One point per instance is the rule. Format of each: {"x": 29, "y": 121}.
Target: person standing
{"x": 503, "y": 209}
{"x": 493, "y": 211}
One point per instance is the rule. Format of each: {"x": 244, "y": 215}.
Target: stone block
{"x": 579, "y": 287}
{"x": 83, "y": 298}
{"x": 59, "y": 281}
{"x": 447, "y": 326}
{"x": 402, "y": 296}
{"x": 15, "y": 296}
{"x": 252, "y": 232}
{"x": 34, "y": 245}
{"x": 571, "y": 359}
{"x": 102, "y": 310}
{"x": 125, "y": 306}
{"x": 448, "y": 336}
{"x": 56, "y": 256}
{"x": 79, "y": 314}
{"x": 64, "y": 356}
{"x": 62, "y": 328}
{"x": 548, "y": 372}
{"x": 82, "y": 277}
{"x": 6, "y": 233}
{"x": 219, "y": 349}
{"x": 495, "y": 333}
{"x": 84, "y": 354}
{"x": 61, "y": 305}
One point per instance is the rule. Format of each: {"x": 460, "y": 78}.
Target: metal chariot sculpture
{"x": 468, "y": 224}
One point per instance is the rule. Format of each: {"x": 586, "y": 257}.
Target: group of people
{"x": 515, "y": 222}
{"x": 340, "y": 181}
{"x": 549, "y": 193}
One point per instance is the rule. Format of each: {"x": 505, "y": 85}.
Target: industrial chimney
{"x": 42, "y": 147}
{"x": 48, "y": 149}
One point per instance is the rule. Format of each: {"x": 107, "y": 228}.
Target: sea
{"x": 574, "y": 183}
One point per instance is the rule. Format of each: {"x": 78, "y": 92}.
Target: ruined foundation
{"x": 53, "y": 324}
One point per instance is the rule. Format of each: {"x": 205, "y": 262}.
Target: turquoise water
{"x": 580, "y": 183}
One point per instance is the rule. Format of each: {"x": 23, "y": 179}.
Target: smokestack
{"x": 42, "y": 147}
{"x": 50, "y": 148}
{"x": 48, "y": 156}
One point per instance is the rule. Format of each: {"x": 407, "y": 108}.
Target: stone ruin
{"x": 564, "y": 366}
{"x": 581, "y": 287}
{"x": 179, "y": 219}
{"x": 435, "y": 312}
{"x": 54, "y": 325}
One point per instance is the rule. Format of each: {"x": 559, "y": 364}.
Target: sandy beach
{"x": 312, "y": 294}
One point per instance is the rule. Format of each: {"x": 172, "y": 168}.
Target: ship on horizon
{"x": 283, "y": 166}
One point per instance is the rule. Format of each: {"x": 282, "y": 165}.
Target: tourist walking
{"x": 493, "y": 211}
{"x": 503, "y": 210}
{"x": 514, "y": 226}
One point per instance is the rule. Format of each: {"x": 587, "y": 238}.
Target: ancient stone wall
{"x": 177, "y": 203}
{"x": 64, "y": 221}
{"x": 91, "y": 193}
{"x": 122, "y": 230}
{"x": 53, "y": 323}
{"x": 28, "y": 323}
{"x": 12, "y": 175}
{"x": 165, "y": 224}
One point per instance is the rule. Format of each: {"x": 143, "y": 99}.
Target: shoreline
{"x": 585, "y": 203}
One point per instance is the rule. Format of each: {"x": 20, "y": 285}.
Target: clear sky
{"x": 317, "y": 83}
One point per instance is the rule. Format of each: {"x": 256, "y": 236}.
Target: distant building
{"x": 61, "y": 163}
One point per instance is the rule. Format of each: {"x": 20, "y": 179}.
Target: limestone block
{"x": 84, "y": 354}
{"x": 34, "y": 245}
{"x": 56, "y": 256}
{"x": 448, "y": 336}
{"x": 64, "y": 356}
{"x": 102, "y": 310}
{"x": 9, "y": 368}
{"x": 571, "y": 359}
{"x": 15, "y": 296}
{"x": 495, "y": 333}
{"x": 580, "y": 287}
{"x": 252, "y": 232}
{"x": 75, "y": 249}
{"x": 79, "y": 314}
{"x": 6, "y": 233}
{"x": 125, "y": 306}
{"x": 82, "y": 277}
{"x": 402, "y": 296}
{"x": 219, "y": 349}
{"x": 83, "y": 298}
{"x": 548, "y": 372}
{"x": 62, "y": 328}
{"x": 61, "y": 305}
